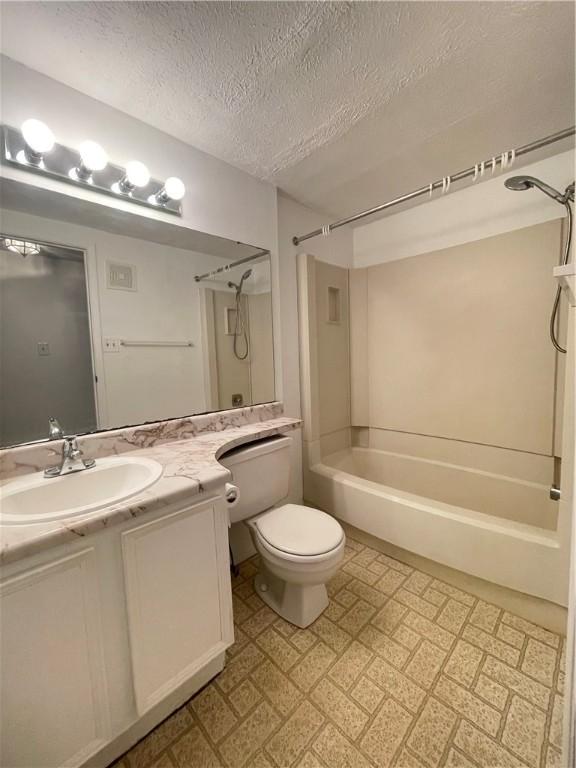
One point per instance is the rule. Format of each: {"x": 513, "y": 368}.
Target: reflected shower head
{"x": 521, "y": 183}
{"x": 237, "y": 287}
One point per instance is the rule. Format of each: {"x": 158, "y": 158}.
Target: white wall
{"x": 297, "y": 219}
{"x": 149, "y": 383}
{"x": 467, "y": 214}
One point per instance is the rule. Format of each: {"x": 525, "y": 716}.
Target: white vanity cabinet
{"x": 53, "y": 698}
{"x": 103, "y": 638}
{"x": 173, "y": 568}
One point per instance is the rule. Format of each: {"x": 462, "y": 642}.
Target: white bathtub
{"x": 498, "y": 528}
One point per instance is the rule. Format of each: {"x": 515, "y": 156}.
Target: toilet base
{"x": 300, "y": 604}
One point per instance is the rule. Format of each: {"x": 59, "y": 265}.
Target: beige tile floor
{"x": 401, "y": 670}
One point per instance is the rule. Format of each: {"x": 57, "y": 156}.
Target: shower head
{"x": 238, "y": 287}
{"x": 521, "y": 183}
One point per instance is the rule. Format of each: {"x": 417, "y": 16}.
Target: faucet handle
{"x": 55, "y": 431}
{"x": 72, "y": 451}
{"x": 71, "y": 447}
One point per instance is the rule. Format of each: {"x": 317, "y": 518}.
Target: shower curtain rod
{"x": 228, "y": 267}
{"x": 505, "y": 159}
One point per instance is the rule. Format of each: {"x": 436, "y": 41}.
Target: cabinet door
{"x": 174, "y": 570}
{"x": 53, "y": 696}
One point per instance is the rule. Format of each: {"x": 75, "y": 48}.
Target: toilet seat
{"x": 298, "y": 533}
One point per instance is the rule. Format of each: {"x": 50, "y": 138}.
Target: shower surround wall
{"x": 444, "y": 356}
{"x": 331, "y": 288}
{"x": 452, "y": 360}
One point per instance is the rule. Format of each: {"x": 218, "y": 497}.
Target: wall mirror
{"x": 108, "y": 319}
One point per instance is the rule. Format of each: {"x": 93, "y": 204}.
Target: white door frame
{"x": 567, "y": 279}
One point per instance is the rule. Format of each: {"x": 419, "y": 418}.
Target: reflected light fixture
{"x": 38, "y": 139}
{"x": 23, "y": 247}
{"x": 173, "y": 189}
{"x": 136, "y": 175}
{"x": 92, "y": 158}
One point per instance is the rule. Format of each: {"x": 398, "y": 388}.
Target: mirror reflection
{"x": 101, "y": 330}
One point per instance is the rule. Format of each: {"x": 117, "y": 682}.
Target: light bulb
{"x": 37, "y": 135}
{"x": 173, "y": 189}
{"x": 93, "y": 157}
{"x": 137, "y": 174}
{"x": 38, "y": 138}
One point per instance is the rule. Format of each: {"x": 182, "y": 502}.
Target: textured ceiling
{"x": 342, "y": 105}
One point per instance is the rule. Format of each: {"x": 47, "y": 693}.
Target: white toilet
{"x": 300, "y": 547}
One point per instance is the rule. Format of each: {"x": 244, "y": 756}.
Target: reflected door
{"x": 45, "y": 348}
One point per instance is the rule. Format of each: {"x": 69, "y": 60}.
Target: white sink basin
{"x": 36, "y": 499}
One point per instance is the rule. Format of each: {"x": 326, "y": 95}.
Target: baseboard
{"x": 141, "y": 727}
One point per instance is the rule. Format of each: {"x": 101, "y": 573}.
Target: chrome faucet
{"x": 72, "y": 460}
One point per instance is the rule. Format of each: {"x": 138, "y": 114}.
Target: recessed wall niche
{"x": 334, "y": 305}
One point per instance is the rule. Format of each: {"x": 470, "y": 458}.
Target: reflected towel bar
{"x": 125, "y": 343}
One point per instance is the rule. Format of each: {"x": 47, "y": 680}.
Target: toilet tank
{"x": 261, "y": 471}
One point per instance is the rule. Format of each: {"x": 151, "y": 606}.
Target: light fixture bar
{"x": 60, "y": 161}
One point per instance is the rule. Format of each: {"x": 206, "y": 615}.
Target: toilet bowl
{"x": 300, "y": 547}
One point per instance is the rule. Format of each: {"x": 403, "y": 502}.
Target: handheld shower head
{"x": 521, "y": 183}
{"x": 238, "y": 286}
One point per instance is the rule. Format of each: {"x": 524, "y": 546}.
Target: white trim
{"x": 568, "y": 511}
{"x": 308, "y": 346}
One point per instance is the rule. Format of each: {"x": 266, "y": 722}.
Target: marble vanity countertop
{"x": 190, "y": 467}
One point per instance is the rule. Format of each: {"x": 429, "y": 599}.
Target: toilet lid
{"x": 299, "y": 530}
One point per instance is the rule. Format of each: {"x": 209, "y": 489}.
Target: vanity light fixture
{"x": 92, "y": 158}
{"x": 136, "y": 175}
{"x": 38, "y": 139}
{"x": 173, "y": 189}
{"x": 22, "y": 247}
{"x": 32, "y": 148}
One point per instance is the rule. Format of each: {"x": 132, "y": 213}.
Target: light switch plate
{"x": 43, "y": 348}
